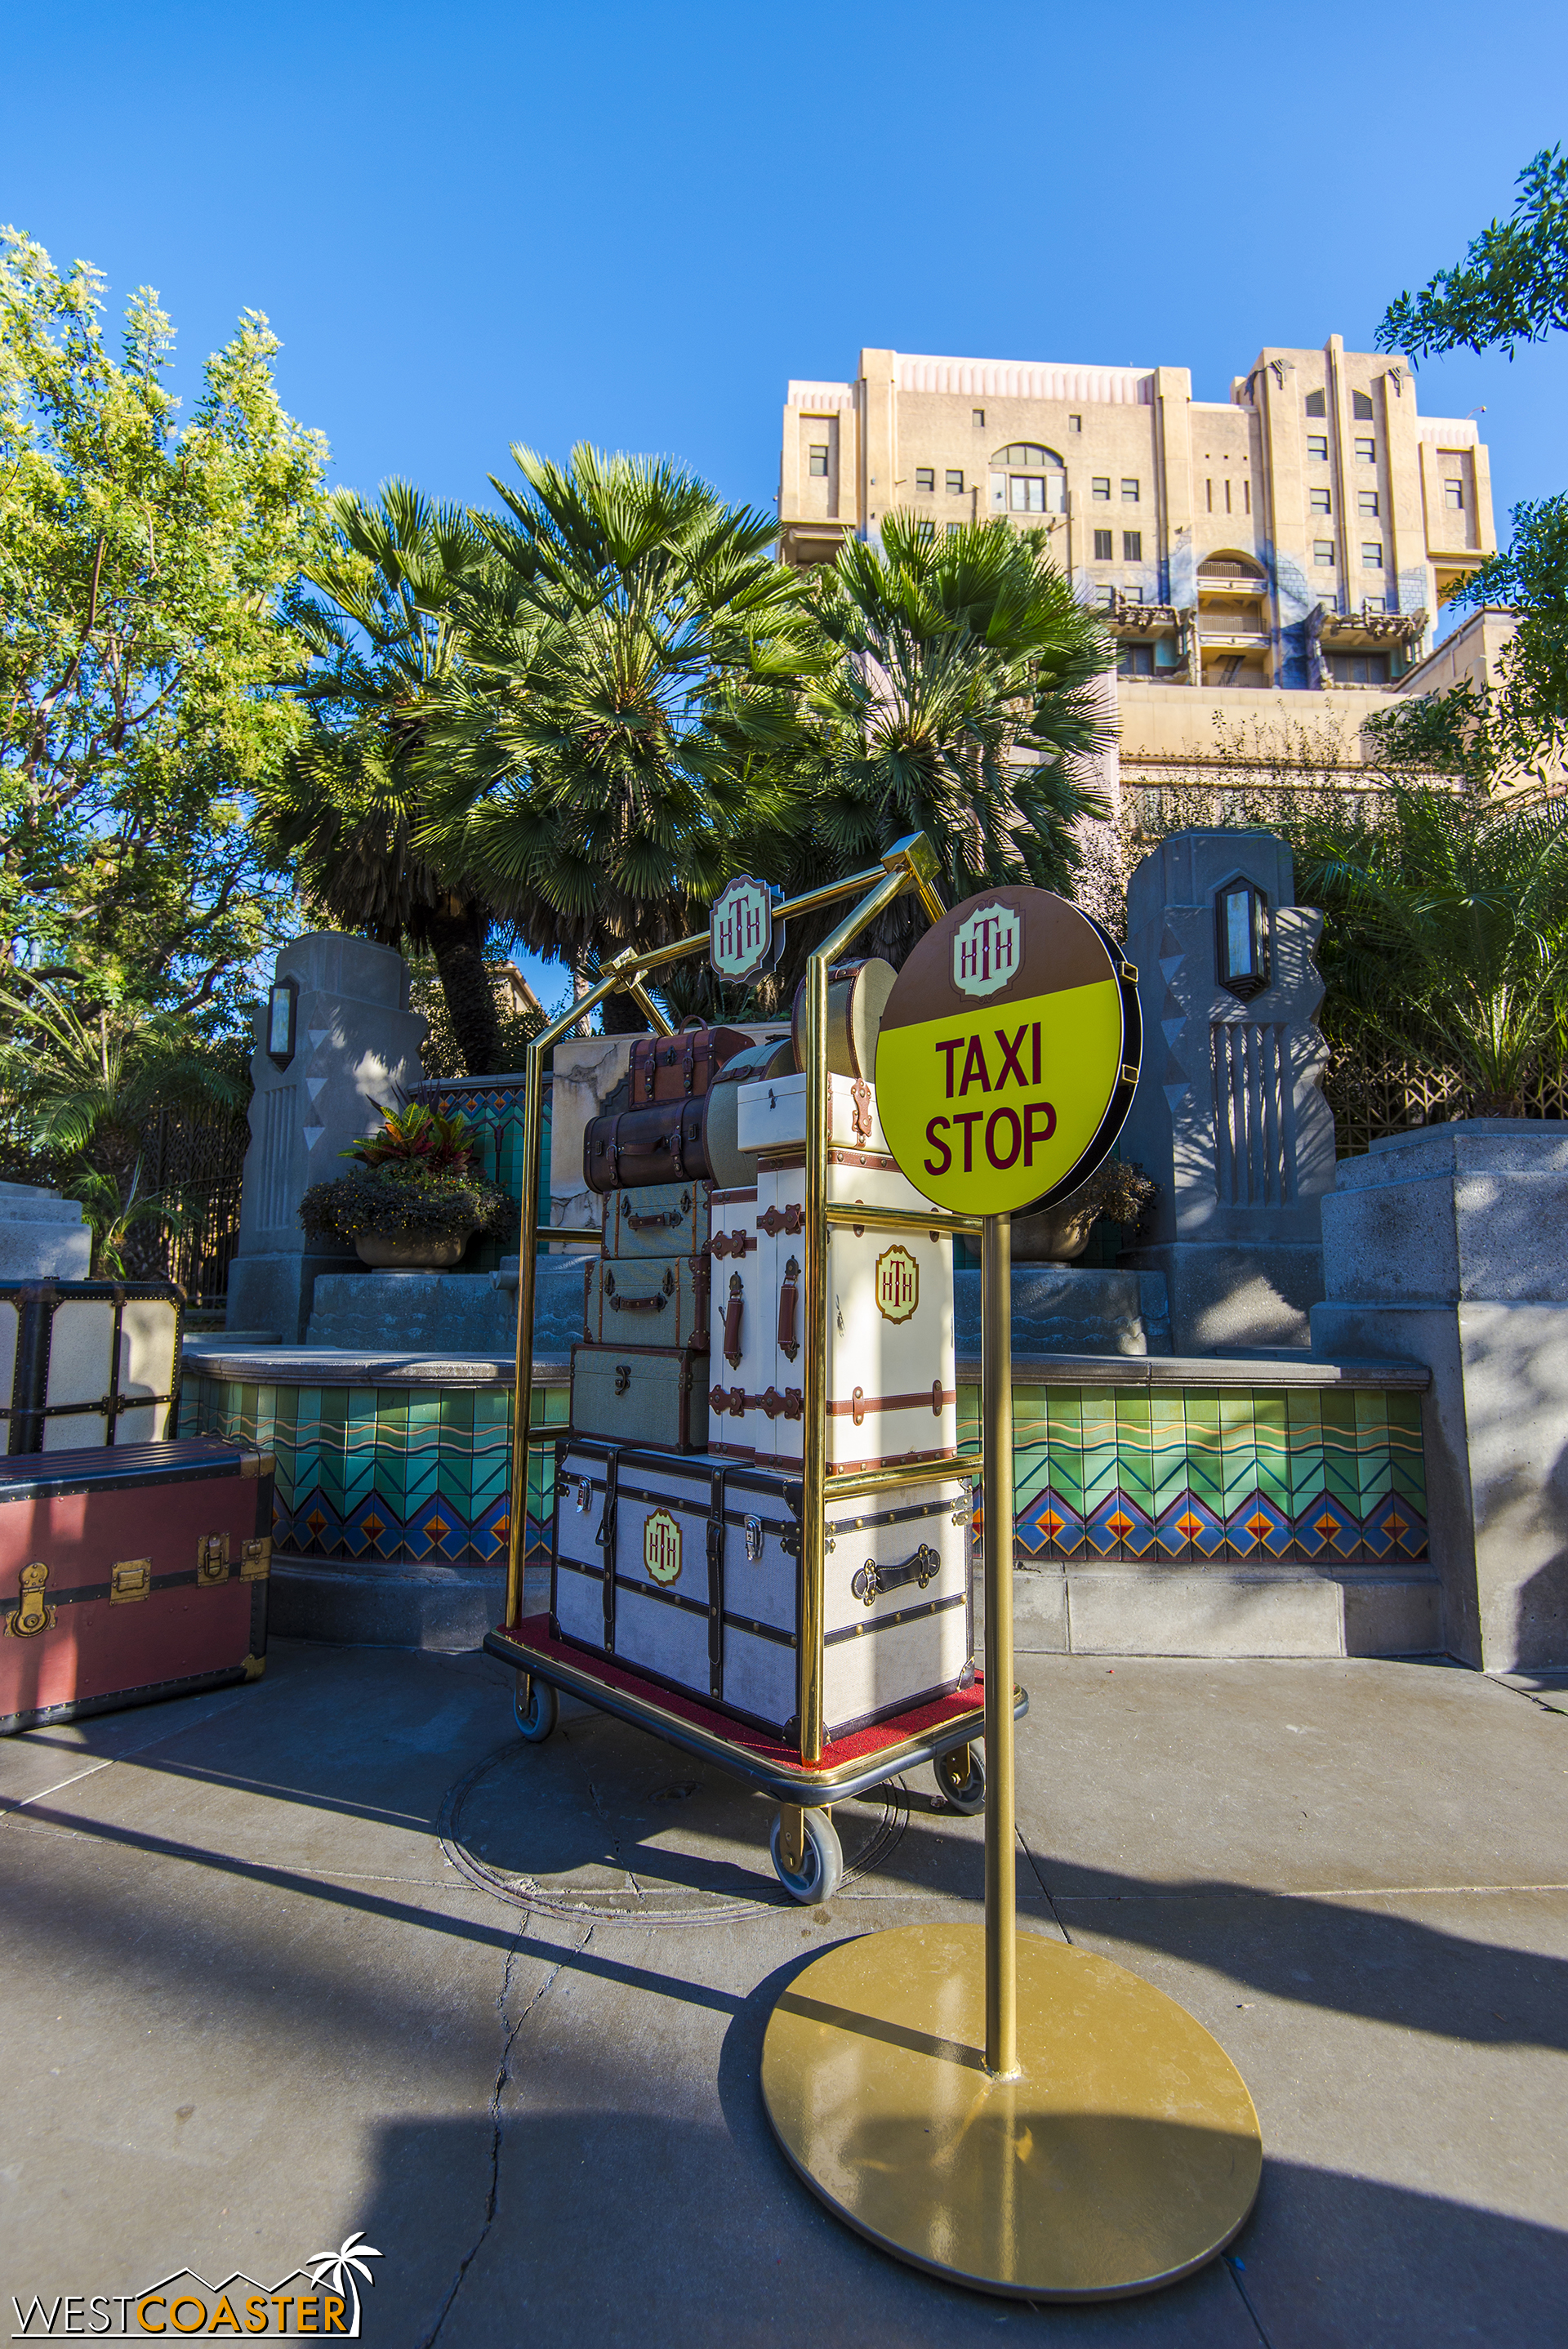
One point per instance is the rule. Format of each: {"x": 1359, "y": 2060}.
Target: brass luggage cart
{"x": 808, "y": 1774}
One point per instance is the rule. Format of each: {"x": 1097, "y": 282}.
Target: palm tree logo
{"x": 337, "y": 2270}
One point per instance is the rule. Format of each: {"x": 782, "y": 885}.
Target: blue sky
{"x": 631, "y": 224}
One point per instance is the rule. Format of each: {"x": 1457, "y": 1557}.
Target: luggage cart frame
{"x": 806, "y": 1776}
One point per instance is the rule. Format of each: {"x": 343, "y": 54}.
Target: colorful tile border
{"x": 1180, "y": 1477}
{"x": 1209, "y": 1476}
{"x": 367, "y": 1474}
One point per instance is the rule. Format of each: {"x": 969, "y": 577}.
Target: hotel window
{"x": 926, "y": 477}
{"x": 977, "y": 417}
{"x": 1359, "y": 669}
{"x": 953, "y": 528}
{"x": 1318, "y": 501}
{"x": 1227, "y": 493}
{"x": 955, "y": 483}
{"x": 1105, "y": 546}
{"x": 1100, "y": 488}
{"x": 1361, "y": 408}
{"x": 1107, "y": 599}
{"x": 1317, "y": 448}
{"x": 1374, "y": 604}
{"x": 1316, "y": 404}
{"x": 1246, "y": 497}
{"x": 1323, "y": 551}
{"x": 1367, "y": 452}
{"x": 1454, "y": 496}
{"x": 1371, "y": 554}
{"x": 1075, "y": 423}
{"x": 1027, "y": 493}
{"x": 819, "y": 460}
{"x": 1129, "y": 491}
{"x": 1366, "y": 502}
{"x": 1135, "y": 660}
{"x": 1209, "y": 496}
{"x": 1132, "y": 546}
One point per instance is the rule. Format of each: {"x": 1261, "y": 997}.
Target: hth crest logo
{"x": 662, "y": 1547}
{"x": 740, "y": 929}
{"x": 987, "y": 950}
{"x": 897, "y": 1284}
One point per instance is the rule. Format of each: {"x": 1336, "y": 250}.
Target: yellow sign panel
{"x": 1007, "y": 1054}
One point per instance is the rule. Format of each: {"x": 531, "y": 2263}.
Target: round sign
{"x": 1008, "y": 1053}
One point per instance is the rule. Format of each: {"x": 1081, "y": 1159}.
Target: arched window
{"x": 1223, "y": 569}
{"x": 1028, "y": 479}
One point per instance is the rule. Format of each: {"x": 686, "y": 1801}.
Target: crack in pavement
{"x": 502, "y": 2078}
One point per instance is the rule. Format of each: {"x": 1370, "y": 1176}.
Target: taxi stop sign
{"x": 1008, "y": 1053}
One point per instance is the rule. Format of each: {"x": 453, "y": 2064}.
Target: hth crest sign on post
{"x": 1008, "y": 1053}
{"x": 743, "y": 940}
{"x": 986, "y": 950}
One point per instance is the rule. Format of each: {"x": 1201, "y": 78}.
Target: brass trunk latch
{"x": 130, "y": 1578}
{"x": 211, "y": 1561}
{"x": 31, "y": 1617}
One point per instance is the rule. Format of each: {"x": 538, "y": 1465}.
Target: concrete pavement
{"x": 337, "y": 1951}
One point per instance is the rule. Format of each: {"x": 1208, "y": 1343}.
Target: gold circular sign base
{"x": 1124, "y": 2155}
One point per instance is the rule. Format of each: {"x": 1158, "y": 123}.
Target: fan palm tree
{"x": 625, "y": 707}
{"x": 379, "y": 640}
{"x": 964, "y": 698}
{"x": 341, "y": 2271}
{"x": 1448, "y": 930}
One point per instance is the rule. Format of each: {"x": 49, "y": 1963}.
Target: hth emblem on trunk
{"x": 986, "y": 950}
{"x": 740, "y": 929}
{"x": 897, "y": 1284}
{"x": 662, "y": 1546}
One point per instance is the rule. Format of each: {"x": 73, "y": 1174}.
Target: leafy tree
{"x": 380, "y": 643}
{"x": 625, "y": 712}
{"x": 964, "y": 692}
{"x": 1447, "y": 928}
{"x": 140, "y": 569}
{"x": 1510, "y": 288}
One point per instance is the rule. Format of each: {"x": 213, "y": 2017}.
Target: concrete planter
{"x": 427, "y": 1252}
{"x": 1056, "y": 1236}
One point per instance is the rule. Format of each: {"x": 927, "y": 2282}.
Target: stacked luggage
{"x": 678, "y": 1491}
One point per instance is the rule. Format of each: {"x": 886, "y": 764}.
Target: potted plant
{"x": 1057, "y": 1234}
{"x": 419, "y": 1200}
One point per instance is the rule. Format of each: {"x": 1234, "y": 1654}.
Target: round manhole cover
{"x": 603, "y": 1823}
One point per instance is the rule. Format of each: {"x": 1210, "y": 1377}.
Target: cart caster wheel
{"x": 961, "y": 1776}
{"x": 537, "y": 1712}
{"x": 822, "y": 1859}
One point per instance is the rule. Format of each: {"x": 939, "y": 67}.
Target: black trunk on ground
{"x": 458, "y": 931}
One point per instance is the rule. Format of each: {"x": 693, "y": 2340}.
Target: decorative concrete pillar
{"x": 1229, "y": 1116}
{"x": 1448, "y": 1245}
{"x": 42, "y": 1236}
{"x": 334, "y": 1038}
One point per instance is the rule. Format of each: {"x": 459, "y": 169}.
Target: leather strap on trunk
{"x": 716, "y": 1583}
{"x": 605, "y": 1537}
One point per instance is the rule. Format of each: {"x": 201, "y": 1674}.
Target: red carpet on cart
{"x": 861, "y": 1745}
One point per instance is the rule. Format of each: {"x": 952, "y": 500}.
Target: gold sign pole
{"x": 999, "y": 2109}
{"x": 1001, "y": 1910}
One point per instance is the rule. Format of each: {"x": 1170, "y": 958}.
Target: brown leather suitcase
{"x": 663, "y": 1144}
{"x": 681, "y": 1141}
{"x": 681, "y": 1066}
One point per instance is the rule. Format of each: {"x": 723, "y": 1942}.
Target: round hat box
{"x": 857, "y": 997}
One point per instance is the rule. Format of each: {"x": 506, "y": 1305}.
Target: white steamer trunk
{"x": 736, "y": 1277}
{"x": 892, "y": 1360}
{"x": 704, "y": 1591}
